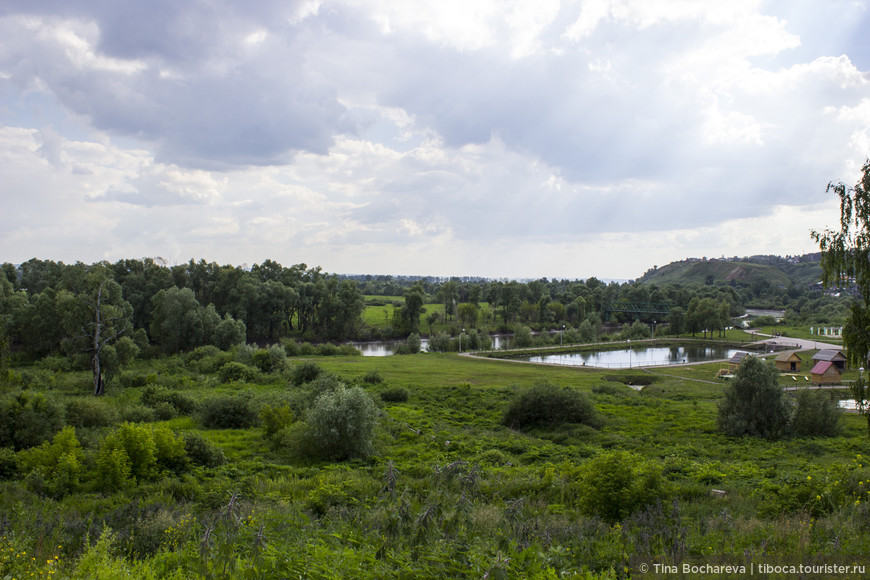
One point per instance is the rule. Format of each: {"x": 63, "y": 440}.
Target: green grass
{"x": 471, "y": 497}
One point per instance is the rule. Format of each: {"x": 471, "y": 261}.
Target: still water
{"x": 388, "y": 347}
{"x": 637, "y": 357}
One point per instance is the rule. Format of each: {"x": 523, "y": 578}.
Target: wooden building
{"x": 734, "y": 361}
{"x": 831, "y": 355}
{"x": 788, "y": 362}
{"x": 825, "y": 373}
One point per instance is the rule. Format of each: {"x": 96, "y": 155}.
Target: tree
{"x": 754, "y": 402}
{"x": 95, "y": 316}
{"x": 846, "y": 257}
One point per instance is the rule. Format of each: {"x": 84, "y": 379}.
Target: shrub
{"x": 395, "y": 395}
{"x": 373, "y": 377}
{"x": 57, "y": 465}
{"x": 275, "y": 419}
{"x": 28, "y": 419}
{"x": 522, "y": 337}
{"x": 816, "y": 414}
{"x": 201, "y": 451}
{"x": 305, "y": 372}
{"x": 548, "y": 405}
{"x": 8, "y": 463}
{"x": 155, "y": 397}
{"x": 613, "y": 484}
{"x": 754, "y": 402}
{"x": 90, "y": 412}
{"x": 137, "y": 414}
{"x": 236, "y": 371}
{"x": 135, "y": 453}
{"x": 341, "y": 424}
{"x": 229, "y": 412}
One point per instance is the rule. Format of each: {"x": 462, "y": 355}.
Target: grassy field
{"x": 450, "y": 492}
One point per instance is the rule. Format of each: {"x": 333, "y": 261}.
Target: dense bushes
{"x": 548, "y": 405}
{"x": 28, "y": 419}
{"x": 230, "y": 412}
{"x": 135, "y": 453}
{"x": 754, "y": 402}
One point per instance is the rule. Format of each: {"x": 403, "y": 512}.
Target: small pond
{"x": 640, "y": 356}
{"x": 388, "y": 347}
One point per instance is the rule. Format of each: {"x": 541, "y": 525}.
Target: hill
{"x": 778, "y": 271}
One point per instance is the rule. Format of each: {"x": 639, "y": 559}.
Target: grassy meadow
{"x": 449, "y": 491}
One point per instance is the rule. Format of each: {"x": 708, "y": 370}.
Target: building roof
{"x": 788, "y": 357}
{"x": 738, "y": 356}
{"x": 829, "y": 354}
{"x": 823, "y": 367}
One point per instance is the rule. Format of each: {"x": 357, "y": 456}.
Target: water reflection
{"x": 637, "y": 356}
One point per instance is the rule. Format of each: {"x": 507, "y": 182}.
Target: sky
{"x": 495, "y": 138}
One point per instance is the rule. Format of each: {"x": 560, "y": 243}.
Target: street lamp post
{"x": 629, "y": 352}
{"x": 561, "y": 332}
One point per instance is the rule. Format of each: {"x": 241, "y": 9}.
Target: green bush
{"x": 28, "y": 419}
{"x": 613, "y": 484}
{"x": 8, "y": 463}
{"x": 201, "y": 451}
{"x": 754, "y": 402}
{"x": 137, "y": 414}
{"x": 135, "y": 453}
{"x": 342, "y": 423}
{"x": 90, "y": 412}
{"x": 229, "y": 412}
{"x": 55, "y": 467}
{"x": 373, "y": 377}
{"x": 395, "y": 395}
{"x": 275, "y": 418}
{"x": 236, "y": 371}
{"x": 548, "y": 405}
{"x": 816, "y": 414}
{"x": 305, "y": 372}
{"x": 153, "y": 396}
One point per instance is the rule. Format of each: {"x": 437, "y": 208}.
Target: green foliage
{"x": 201, "y": 451}
{"x": 276, "y": 418}
{"x": 754, "y": 402}
{"x": 305, "y": 372}
{"x": 28, "y": 419}
{"x": 341, "y": 424}
{"x": 395, "y": 395}
{"x": 270, "y": 359}
{"x": 236, "y": 371}
{"x": 136, "y": 453}
{"x": 8, "y": 463}
{"x": 816, "y": 414}
{"x": 58, "y": 464}
{"x": 614, "y": 484}
{"x": 548, "y": 405}
{"x": 523, "y": 337}
{"x": 157, "y": 397}
{"x": 90, "y": 412}
{"x": 230, "y": 412}
{"x": 373, "y": 377}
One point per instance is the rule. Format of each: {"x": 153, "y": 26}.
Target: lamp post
{"x": 629, "y": 352}
{"x": 561, "y": 332}
{"x": 653, "y": 331}
{"x": 460, "y": 340}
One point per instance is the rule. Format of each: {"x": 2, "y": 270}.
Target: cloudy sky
{"x": 502, "y": 138}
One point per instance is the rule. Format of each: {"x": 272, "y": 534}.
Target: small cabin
{"x": 831, "y": 355}
{"x": 788, "y": 362}
{"x": 735, "y": 360}
{"x": 825, "y": 373}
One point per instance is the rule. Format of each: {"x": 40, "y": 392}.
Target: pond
{"x": 639, "y": 356}
{"x": 388, "y": 347}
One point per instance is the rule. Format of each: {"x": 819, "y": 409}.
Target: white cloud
{"x": 581, "y": 138}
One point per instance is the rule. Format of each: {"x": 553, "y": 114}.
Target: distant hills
{"x": 779, "y": 271}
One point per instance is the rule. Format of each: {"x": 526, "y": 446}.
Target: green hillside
{"x": 724, "y": 271}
